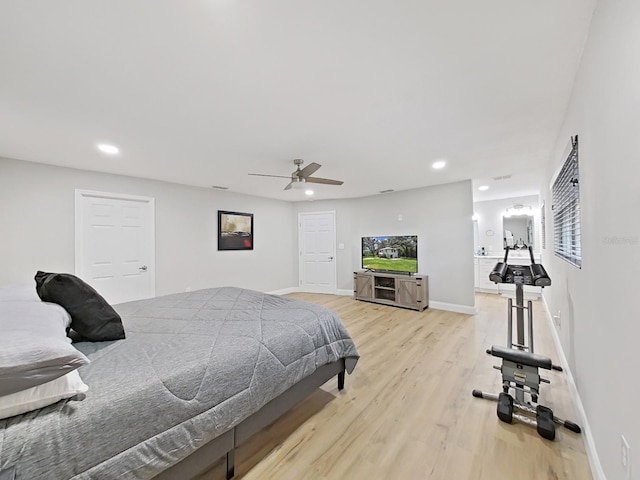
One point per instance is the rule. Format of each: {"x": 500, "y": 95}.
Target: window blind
{"x": 566, "y": 209}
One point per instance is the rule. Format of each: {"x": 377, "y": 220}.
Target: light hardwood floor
{"x": 407, "y": 411}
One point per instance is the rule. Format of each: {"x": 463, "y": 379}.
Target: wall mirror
{"x": 518, "y": 231}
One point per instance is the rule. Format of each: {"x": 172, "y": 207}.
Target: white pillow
{"x": 37, "y": 397}
{"x": 34, "y": 347}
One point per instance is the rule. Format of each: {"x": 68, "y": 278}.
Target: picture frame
{"x": 235, "y": 230}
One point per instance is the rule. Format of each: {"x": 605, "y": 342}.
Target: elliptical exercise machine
{"x": 519, "y": 362}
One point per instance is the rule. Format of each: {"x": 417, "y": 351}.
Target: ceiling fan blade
{"x": 265, "y": 175}
{"x": 309, "y": 170}
{"x": 326, "y": 181}
{"x": 288, "y": 187}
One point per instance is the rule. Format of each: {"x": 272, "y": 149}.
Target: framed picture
{"x": 235, "y": 231}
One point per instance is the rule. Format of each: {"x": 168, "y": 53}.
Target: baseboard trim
{"x": 449, "y": 307}
{"x": 592, "y": 453}
{"x": 284, "y": 291}
{"x": 453, "y": 307}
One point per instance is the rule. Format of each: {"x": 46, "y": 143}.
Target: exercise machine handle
{"x": 499, "y": 273}
{"x": 539, "y": 275}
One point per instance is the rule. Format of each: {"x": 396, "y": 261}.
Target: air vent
{"x": 387, "y": 191}
{"x": 218, "y": 187}
{"x": 503, "y": 177}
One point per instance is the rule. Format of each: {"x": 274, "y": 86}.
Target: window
{"x": 566, "y": 209}
{"x": 543, "y": 225}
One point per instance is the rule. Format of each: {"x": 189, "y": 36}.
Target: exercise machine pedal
{"x": 505, "y": 407}
{"x": 544, "y": 421}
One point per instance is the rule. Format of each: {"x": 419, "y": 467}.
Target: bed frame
{"x": 206, "y": 456}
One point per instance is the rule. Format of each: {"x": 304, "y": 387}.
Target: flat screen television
{"x": 397, "y": 253}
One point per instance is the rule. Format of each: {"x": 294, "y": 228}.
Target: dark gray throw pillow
{"x": 91, "y": 316}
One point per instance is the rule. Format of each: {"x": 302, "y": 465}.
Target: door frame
{"x": 81, "y": 194}
{"x": 335, "y": 251}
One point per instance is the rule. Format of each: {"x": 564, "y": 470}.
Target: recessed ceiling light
{"x": 439, "y": 164}
{"x": 107, "y": 148}
{"x": 482, "y": 188}
{"x": 308, "y": 193}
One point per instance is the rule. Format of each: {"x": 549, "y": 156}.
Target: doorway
{"x": 115, "y": 244}
{"x": 317, "y": 249}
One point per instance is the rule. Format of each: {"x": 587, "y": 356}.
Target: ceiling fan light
{"x": 299, "y": 184}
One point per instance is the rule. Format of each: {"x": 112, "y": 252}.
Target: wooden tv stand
{"x": 408, "y": 291}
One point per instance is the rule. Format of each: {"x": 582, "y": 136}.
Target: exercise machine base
{"x": 545, "y": 421}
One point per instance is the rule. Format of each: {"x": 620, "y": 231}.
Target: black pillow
{"x": 91, "y": 316}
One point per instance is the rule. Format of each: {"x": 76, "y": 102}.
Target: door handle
{"x": 330, "y": 258}
{"x": 143, "y": 268}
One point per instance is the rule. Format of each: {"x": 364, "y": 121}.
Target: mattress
{"x": 193, "y": 366}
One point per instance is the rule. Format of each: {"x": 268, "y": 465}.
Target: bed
{"x": 197, "y": 374}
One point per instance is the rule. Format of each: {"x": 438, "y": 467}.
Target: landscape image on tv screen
{"x": 391, "y": 254}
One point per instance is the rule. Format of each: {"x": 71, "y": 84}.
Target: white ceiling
{"x": 205, "y": 92}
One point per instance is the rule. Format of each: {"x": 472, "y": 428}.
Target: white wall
{"x": 600, "y": 311}
{"x": 489, "y": 214}
{"x": 440, "y": 216}
{"x": 37, "y": 229}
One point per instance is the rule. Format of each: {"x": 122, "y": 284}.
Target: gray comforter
{"x": 193, "y": 366}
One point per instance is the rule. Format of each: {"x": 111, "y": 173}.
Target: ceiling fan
{"x": 302, "y": 176}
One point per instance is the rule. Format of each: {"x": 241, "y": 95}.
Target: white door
{"x": 317, "y": 246}
{"x": 115, "y": 244}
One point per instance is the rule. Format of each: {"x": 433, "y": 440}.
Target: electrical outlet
{"x": 556, "y": 320}
{"x": 625, "y": 458}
